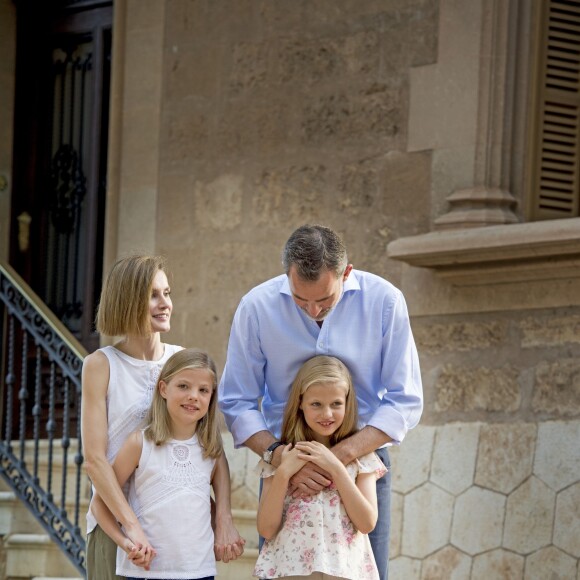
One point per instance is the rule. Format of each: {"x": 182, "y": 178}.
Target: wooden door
{"x": 60, "y": 153}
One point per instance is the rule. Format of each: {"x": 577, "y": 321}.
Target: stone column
{"x": 470, "y": 97}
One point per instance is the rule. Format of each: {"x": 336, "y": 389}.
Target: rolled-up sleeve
{"x": 401, "y": 404}
{"x": 242, "y": 382}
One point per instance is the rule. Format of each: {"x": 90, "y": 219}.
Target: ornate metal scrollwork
{"x": 46, "y": 343}
{"x": 68, "y": 188}
{"x": 40, "y": 329}
{"x": 52, "y": 519}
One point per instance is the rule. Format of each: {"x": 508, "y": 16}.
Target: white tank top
{"x": 170, "y": 495}
{"x": 129, "y": 394}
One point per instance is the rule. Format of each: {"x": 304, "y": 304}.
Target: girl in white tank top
{"x": 117, "y": 388}
{"x": 172, "y": 462}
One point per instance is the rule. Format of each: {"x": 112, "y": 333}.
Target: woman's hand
{"x": 138, "y": 554}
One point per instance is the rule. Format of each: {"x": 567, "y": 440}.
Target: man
{"x": 322, "y": 306}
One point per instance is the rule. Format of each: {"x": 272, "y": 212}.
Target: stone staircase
{"x": 27, "y": 552}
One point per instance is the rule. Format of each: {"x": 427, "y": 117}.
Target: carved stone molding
{"x": 497, "y": 254}
{"x": 477, "y": 207}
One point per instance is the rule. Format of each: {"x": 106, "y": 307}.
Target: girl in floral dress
{"x": 323, "y": 535}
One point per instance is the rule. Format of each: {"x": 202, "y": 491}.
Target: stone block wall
{"x": 501, "y": 367}
{"x": 474, "y": 501}
{"x": 478, "y": 500}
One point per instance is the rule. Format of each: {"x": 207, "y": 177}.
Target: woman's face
{"x": 160, "y": 304}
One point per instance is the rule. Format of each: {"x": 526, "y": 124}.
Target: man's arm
{"x": 309, "y": 480}
{"x": 368, "y": 439}
{"x": 242, "y": 382}
{"x": 260, "y": 441}
{"x": 399, "y": 386}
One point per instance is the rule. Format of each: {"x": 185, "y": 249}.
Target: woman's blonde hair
{"x": 159, "y": 427}
{"x": 317, "y": 370}
{"x": 124, "y": 303}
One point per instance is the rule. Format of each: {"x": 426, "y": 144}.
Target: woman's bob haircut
{"x": 124, "y": 305}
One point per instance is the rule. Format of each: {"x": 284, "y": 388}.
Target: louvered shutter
{"x": 556, "y": 172}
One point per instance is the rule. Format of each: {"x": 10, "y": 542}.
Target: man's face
{"x": 317, "y": 298}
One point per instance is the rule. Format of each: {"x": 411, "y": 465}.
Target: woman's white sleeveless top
{"x": 129, "y": 394}
{"x": 170, "y": 495}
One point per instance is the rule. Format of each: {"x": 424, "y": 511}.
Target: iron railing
{"x": 40, "y": 453}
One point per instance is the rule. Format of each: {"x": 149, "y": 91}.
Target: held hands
{"x": 138, "y": 548}
{"x": 228, "y": 544}
{"x": 138, "y": 554}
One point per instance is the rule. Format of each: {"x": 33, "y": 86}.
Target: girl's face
{"x": 188, "y": 395}
{"x": 160, "y": 304}
{"x": 324, "y": 406}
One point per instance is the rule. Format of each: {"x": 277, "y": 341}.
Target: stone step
{"x": 243, "y": 567}
{"x": 35, "y": 555}
{"x": 16, "y": 518}
{"x": 30, "y": 553}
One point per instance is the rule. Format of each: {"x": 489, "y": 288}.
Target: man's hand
{"x": 308, "y": 481}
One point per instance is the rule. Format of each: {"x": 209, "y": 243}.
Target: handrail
{"x": 42, "y": 364}
{"x": 42, "y": 309}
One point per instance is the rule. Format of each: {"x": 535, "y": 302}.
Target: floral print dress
{"x": 317, "y": 534}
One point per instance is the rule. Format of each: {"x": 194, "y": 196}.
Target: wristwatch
{"x": 269, "y": 453}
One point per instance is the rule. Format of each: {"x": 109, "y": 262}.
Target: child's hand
{"x": 228, "y": 544}
{"x": 229, "y": 552}
{"x": 139, "y": 555}
{"x": 290, "y": 463}
{"x": 318, "y": 454}
{"x": 143, "y": 552}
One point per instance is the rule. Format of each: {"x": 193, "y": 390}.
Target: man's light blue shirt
{"x": 368, "y": 330}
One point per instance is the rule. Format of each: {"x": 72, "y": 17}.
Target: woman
{"x": 118, "y": 383}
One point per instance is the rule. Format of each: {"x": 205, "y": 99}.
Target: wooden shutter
{"x": 556, "y": 160}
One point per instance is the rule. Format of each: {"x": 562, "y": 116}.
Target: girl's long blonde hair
{"x": 159, "y": 427}
{"x": 320, "y": 369}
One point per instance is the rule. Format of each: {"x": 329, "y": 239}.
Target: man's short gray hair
{"x": 313, "y": 249}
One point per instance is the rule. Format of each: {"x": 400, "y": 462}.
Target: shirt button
{"x": 320, "y": 344}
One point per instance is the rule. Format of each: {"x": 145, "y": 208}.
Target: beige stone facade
{"x": 404, "y": 125}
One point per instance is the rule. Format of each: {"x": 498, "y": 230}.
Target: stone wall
{"x": 501, "y": 367}
{"x": 479, "y": 500}
{"x": 473, "y": 500}
{"x": 277, "y": 114}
